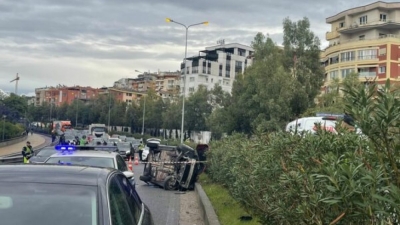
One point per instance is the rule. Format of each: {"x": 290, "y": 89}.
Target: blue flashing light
{"x": 65, "y": 148}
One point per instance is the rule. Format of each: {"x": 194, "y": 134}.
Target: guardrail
{"x": 13, "y": 140}
{"x": 17, "y": 157}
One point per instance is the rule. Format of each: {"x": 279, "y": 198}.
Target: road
{"x": 164, "y": 205}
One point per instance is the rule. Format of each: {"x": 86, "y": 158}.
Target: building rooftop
{"x": 356, "y": 10}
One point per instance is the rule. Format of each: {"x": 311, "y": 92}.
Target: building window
{"x": 367, "y": 54}
{"x": 333, "y": 74}
{"x": 238, "y": 66}
{"x": 195, "y": 69}
{"x": 228, "y": 64}
{"x": 341, "y": 24}
{"x": 207, "y": 79}
{"x": 382, "y": 69}
{"x": 363, "y": 20}
{"x": 227, "y": 73}
{"x": 191, "y": 79}
{"x": 220, "y": 70}
{"x": 209, "y": 68}
{"x": 346, "y": 72}
{"x": 212, "y": 80}
{"x": 382, "y": 17}
{"x": 187, "y": 70}
{"x": 191, "y": 89}
{"x": 382, "y": 51}
{"x": 347, "y": 56}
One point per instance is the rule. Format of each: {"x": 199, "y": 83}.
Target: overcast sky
{"x": 96, "y": 42}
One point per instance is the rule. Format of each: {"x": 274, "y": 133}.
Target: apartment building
{"x": 365, "y": 40}
{"x": 62, "y": 94}
{"x": 218, "y": 64}
{"x": 165, "y": 84}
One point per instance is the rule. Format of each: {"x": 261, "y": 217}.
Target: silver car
{"x": 92, "y": 158}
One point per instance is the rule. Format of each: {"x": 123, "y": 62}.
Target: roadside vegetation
{"x": 324, "y": 178}
{"x": 229, "y": 210}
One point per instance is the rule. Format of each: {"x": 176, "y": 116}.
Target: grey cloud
{"x": 134, "y": 34}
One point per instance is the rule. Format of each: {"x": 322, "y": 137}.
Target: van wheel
{"x": 170, "y": 183}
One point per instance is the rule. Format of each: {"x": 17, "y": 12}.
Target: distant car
{"x": 122, "y": 138}
{"x": 64, "y": 195}
{"x": 113, "y": 140}
{"x": 309, "y": 124}
{"x": 42, "y": 155}
{"x": 125, "y": 149}
{"x": 92, "y": 158}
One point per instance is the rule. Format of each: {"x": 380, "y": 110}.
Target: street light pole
{"x": 109, "y": 108}
{"x": 144, "y": 112}
{"x": 184, "y": 74}
{"x": 4, "y": 125}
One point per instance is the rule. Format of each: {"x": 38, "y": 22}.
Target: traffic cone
{"x": 130, "y": 164}
{"x": 136, "y": 160}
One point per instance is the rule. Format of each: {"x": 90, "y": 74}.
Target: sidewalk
{"x": 35, "y": 139}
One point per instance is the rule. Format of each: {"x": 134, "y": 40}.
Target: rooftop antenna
{"x": 16, "y": 84}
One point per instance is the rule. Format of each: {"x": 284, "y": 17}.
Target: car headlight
{"x": 128, "y": 151}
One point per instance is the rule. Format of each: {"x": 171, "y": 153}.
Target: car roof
{"x": 82, "y": 153}
{"x": 54, "y": 174}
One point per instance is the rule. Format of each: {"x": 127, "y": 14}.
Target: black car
{"x": 65, "y": 195}
{"x": 125, "y": 149}
{"x": 42, "y": 155}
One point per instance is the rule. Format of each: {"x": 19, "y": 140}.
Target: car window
{"x": 83, "y": 160}
{"x": 47, "y": 204}
{"x": 119, "y": 207}
{"x": 121, "y": 164}
{"x": 134, "y": 202}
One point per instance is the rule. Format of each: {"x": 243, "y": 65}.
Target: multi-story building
{"x": 215, "y": 65}
{"x": 364, "y": 40}
{"x": 63, "y": 94}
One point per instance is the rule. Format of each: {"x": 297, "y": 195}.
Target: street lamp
{"x": 4, "y": 125}
{"x": 144, "y": 111}
{"x": 169, "y": 20}
{"x": 109, "y": 108}
{"x": 144, "y": 107}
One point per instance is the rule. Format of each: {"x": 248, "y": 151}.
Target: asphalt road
{"x": 164, "y": 205}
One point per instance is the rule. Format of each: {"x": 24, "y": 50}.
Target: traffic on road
{"x": 88, "y": 178}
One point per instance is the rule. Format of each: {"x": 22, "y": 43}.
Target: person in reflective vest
{"x": 140, "y": 150}
{"x": 27, "y": 152}
{"x": 82, "y": 142}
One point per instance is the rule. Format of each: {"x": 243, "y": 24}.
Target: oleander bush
{"x": 319, "y": 179}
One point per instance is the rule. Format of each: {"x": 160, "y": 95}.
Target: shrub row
{"x": 319, "y": 179}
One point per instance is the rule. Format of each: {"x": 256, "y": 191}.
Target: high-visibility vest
{"x": 82, "y": 142}
{"x": 28, "y": 152}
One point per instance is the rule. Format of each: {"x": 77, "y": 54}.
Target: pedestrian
{"x": 27, "y": 152}
{"x": 62, "y": 139}
{"x": 141, "y": 146}
{"x": 31, "y": 130}
{"x": 83, "y": 141}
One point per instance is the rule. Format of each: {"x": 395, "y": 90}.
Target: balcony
{"x": 357, "y": 43}
{"x": 332, "y": 35}
{"x": 366, "y": 74}
{"x": 382, "y": 24}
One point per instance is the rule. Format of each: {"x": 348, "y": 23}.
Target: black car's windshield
{"x": 47, "y": 204}
{"x": 46, "y": 152}
{"x": 83, "y": 161}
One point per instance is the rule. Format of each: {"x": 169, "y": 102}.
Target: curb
{"x": 207, "y": 210}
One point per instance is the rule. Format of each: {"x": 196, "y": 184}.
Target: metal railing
{"x": 14, "y": 138}
{"x": 17, "y": 157}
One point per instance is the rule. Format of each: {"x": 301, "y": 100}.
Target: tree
{"x": 301, "y": 58}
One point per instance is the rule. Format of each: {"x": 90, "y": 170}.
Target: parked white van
{"x": 309, "y": 124}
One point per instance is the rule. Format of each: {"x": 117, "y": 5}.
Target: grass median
{"x": 228, "y": 210}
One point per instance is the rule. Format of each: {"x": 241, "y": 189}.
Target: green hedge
{"x": 324, "y": 178}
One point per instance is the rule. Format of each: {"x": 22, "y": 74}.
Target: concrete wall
{"x": 13, "y": 141}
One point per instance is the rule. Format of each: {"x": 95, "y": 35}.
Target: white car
{"x": 308, "y": 124}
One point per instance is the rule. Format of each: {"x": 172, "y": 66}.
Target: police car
{"x": 90, "y": 156}
{"x": 39, "y": 194}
